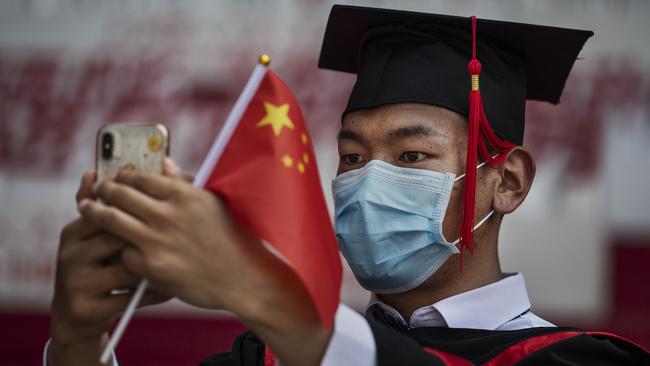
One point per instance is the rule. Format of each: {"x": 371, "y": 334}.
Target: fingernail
{"x": 170, "y": 167}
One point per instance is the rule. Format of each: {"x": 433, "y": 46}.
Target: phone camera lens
{"x": 107, "y": 146}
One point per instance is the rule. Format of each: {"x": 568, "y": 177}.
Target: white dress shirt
{"x": 502, "y": 305}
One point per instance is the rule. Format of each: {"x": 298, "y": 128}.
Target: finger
{"x": 125, "y": 278}
{"x": 114, "y": 304}
{"x": 115, "y": 221}
{"x": 188, "y": 178}
{"x": 101, "y": 246}
{"x": 153, "y": 298}
{"x": 72, "y": 242}
{"x": 85, "y": 187}
{"x": 77, "y": 230}
{"x": 130, "y": 200}
{"x": 115, "y": 277}
{"x": 172, "y": 170}
{"x": 134, "y": 261}
{"x": 154, "y": 185}
{"x": 92, "y": 251}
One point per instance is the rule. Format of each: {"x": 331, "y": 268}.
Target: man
{"x": 410, "y": 180}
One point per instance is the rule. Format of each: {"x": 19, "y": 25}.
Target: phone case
{"x": 131, "y": 146}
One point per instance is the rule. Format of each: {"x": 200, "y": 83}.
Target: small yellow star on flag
{"x": 301, "y": 167}
{"x": 287, "y": 161}
{"x": 276, "y": 117}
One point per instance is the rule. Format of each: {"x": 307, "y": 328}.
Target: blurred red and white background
{"x": 582, "y": 238}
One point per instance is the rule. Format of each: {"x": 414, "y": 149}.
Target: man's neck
{"x": 448, "y": 281}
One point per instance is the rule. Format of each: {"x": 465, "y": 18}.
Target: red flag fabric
{"x": 263, "y": 165}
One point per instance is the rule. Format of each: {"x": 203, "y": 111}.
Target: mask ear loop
{"x": 489, "y": 213}
{"x": 463, "y": 175}
{"x": 477, "y": 168}
{"x": 477, "y": 225}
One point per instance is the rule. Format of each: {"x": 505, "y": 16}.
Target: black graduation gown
{"x": 461, "y": 347}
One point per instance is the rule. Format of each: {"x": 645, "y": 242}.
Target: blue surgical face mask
{"x": 388, "y": 224}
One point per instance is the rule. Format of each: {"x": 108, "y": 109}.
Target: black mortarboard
{"x": 402, "y": 56}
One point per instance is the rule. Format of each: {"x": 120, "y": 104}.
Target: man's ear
{"x": 517, "y": 174}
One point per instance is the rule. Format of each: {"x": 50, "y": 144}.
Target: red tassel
{"x": 478, "y": 131}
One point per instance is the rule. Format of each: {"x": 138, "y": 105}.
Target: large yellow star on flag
{"x": 277, "y": 117}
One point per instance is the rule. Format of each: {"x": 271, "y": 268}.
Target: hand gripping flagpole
{"x": 201, "y": 177}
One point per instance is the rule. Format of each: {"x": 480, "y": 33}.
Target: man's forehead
{"x": 404, "y": 118}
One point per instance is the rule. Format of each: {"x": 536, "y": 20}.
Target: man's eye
{"x": 352, "y": 159}
{"x": 412, "y": 156}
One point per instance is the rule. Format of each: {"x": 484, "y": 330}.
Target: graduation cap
{"x": 402, "y": 56}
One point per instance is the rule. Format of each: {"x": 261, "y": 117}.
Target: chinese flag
{"x": 263, "y": 165}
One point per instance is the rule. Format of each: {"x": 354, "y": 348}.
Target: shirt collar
{"x": 486, "y": 307}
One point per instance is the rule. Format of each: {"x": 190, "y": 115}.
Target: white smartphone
{"x": 132, "y": 146}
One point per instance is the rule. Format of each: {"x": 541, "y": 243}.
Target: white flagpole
{"x": 124, "y": 321}
{"x": 202, "y": 176}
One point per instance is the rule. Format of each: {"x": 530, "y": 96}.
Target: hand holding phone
{"x": 129, "y": 146}
{"x": 84, "y": 304}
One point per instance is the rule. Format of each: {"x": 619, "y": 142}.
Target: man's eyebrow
{"x": 413, "y": 130}
{"x": 399, "y": 133}
{"x": 350, "y": 135}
